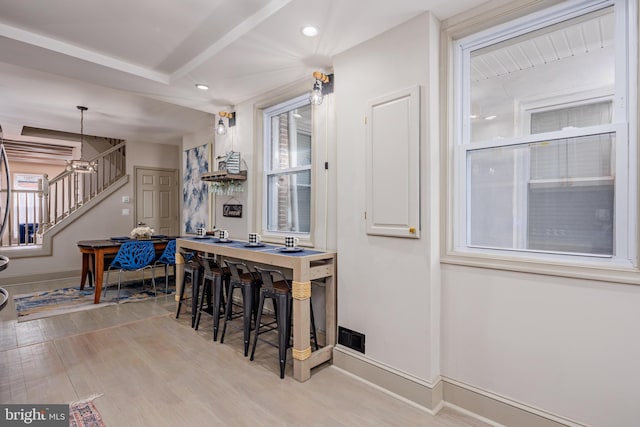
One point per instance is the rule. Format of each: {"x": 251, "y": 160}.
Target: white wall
{"x": 100, "y": 222}
{"x": 385, "y": 287}
{"x": 563, "y": 346}
{"x": 567, "y": 346}
{"x": 238, "y": 138}
{"x": 246, "y": 137}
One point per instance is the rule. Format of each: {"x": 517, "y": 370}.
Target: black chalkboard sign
{"x": 233, "y": 211}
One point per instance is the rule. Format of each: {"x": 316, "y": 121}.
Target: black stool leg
{"x": 218, "y": 302}
{"x": 184, "y": 285}
{"x": 313, "y": 325}
{"x": 258, "y": 320}
{"x": 195, "y": 290}
{"x": 227, "y": 314}
{"x": 205, "y": 288}
{"x": 283, "y": 330}
{"x": 247, "y": 296}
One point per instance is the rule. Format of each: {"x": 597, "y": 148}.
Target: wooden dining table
{"x": 306, "y": 266}
{"x": 94, "y": 253}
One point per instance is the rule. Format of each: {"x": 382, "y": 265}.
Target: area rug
{"x": 37, "y": 305}
{"x": 84, "y": 414}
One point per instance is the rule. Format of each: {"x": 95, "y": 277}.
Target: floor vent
{"x": 351, "y": 339}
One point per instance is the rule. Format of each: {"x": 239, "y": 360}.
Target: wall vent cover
{"x": 352, "y": 339}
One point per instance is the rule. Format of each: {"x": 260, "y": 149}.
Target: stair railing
{"x": 33, "y": 212}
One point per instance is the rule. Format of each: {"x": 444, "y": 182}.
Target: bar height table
{"x": 306, "y": 266}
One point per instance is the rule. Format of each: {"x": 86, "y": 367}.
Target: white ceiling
{"x": 134, "y": 63}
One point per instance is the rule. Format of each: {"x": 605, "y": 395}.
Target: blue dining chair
{"x": 133, "y": 256}
{"x": 167, "y": 259}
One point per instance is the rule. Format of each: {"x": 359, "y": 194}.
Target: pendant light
{"x": 81, "y": 165}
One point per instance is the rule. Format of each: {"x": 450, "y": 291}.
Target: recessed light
{"x": 490, "y": 117}
{"x": 202, "y": 86}
{"x": 309, "y": 31}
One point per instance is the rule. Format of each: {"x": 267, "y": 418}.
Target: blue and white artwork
{"x": 195, "y": 193}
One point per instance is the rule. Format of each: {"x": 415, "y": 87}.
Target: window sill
{"x": 624, "y": 273}
{"x": 278, "y": 239}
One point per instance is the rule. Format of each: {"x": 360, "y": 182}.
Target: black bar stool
{"x": 249, "y": 283}
{"x": 279, "y": 292}
{"x": 214, "y": 280}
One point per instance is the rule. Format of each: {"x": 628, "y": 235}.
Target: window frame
{"x": 267, "y": 114}
{"x": 455, "y": 249}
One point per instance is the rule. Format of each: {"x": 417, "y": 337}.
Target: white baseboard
{"x": 483, "y": 405}
{"x": 425, "y": 395}
{"x": 21, "y": 280}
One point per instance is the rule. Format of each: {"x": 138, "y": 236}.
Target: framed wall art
{"x": 195, "y": 192}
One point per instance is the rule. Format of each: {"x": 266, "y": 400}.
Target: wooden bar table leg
{"x": 301, "y": 351}
{"x": 179, "y": 271}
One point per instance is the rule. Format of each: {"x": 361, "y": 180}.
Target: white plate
{"x": 291, "y": 249}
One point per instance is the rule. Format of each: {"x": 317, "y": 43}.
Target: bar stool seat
{"x": 214, "y": 281}
{"x": 249, "y": 283}
{"x": 279, "y": 292}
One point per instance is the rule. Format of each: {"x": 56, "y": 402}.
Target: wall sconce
{"x": 221, "y": 129}
{"x": 322, "y": 86}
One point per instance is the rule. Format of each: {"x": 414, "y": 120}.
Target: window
{"x": 25, "y": 206}
{"x": 543, "y": 163}
{"x": 287, "y": 168}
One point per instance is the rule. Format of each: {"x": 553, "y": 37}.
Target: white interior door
{"x": 156, "y": 199}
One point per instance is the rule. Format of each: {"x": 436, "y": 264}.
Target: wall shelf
{"x": 223, "y": 175}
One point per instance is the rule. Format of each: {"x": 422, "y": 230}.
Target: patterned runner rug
{"x": 84, "y": 414}
{"x": 37, "y": 305}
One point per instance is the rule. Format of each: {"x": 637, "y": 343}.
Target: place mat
{"x": 245, "y": 245}
{"x": 208, "y": 239}
{"x": 303, "y": 252}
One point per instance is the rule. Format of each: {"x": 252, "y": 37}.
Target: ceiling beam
{"x": 231, "y": 36}
{"x": 81, "y": 53}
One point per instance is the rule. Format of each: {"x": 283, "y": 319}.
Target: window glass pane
{"x": 584, "y": 157}
{"x": 565, "y": 62}
{"x": 571, "y": 218}
{"x": 291, "y": 138}
{"x": 553, "y": 196}
{"x": 289, "y": 202}
{"x": 571, "y": 117}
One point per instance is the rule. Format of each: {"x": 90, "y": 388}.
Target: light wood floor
{"x": 154, "y": 370}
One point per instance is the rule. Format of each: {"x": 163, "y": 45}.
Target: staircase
{"x": 36, "y": 214}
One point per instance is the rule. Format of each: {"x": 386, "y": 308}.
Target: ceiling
{"x": 567, "y": 39}
{"x": 135, "y": 63}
